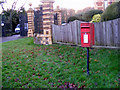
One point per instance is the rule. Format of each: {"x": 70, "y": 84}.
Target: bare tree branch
{"x": 14, "y": 4}
{"x": 1, "y": 3}
{"x": 22, "y": 5}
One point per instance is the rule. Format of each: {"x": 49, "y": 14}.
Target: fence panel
{"x": 108, "y": 32}
{"x": 54, "y": 29}
{"x": 67, "y": 34}
{"x": 74, "y": 33}
{"x": 97, "y": 36}
{"x": 115, "y": 32}
{"x": 58, "y": 34}
{"x": 61, "y": 34}
{"x": 64, "y": 30}
{"x": 119, "y": 32}
{"x": 101, "y": 32}
{"x": 70, "y": 36}
{"x": 104, "y": 34}
{"x": 78, "y": 31}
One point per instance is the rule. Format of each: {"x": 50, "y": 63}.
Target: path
{"x": 10, "y": 38}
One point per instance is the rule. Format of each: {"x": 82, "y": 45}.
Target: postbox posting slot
{"x": 85, "y": 29}
{"x": 85, "y": 26}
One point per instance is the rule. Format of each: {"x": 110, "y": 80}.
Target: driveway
{"x": 10, "y": 38}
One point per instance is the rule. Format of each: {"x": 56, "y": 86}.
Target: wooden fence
{"x": 106, "y": 33}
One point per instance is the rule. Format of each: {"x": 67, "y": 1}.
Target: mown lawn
{"x": 26, "y": 65}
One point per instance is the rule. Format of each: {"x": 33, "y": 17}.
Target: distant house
{"x": 102, "y": 4}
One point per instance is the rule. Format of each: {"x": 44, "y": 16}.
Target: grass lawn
{"x": 26, "y": 65}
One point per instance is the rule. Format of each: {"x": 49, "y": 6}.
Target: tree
{"x": 80, "y": 13}
{"x": 72, "y": 18}
{"x": 96, "y": 18}
{"x": 80, "y": 16}
{"x": 111, "y": 12}
{"x": 66, "y": 13}
{"x": 84, "y": 10}
{"x": 85, "y": 16}
{"x": 1, "y": 3}
{"x": 13, "y": 6}
{"x": 14, "y": 20}
{"x": 89, "y": 14}
{"x": 11, "y": 14}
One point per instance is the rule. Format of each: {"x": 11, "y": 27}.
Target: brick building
{"x": 102, "y": 4}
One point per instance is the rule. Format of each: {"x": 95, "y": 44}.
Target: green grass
{"x": 27, "y": 65}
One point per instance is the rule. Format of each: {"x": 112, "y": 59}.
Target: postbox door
{"x": 85, "y": 39}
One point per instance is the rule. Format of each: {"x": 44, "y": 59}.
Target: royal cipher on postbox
{"x": 87, "y": 34}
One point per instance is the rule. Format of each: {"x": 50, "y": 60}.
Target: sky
{"x": 71, "y": 4}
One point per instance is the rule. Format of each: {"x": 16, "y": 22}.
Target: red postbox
{"x": 87, "y": 34}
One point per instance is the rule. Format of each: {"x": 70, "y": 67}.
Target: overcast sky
{"x": 73, "y": 4}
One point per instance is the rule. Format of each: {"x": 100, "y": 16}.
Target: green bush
{"x": 111, "y": 12}
{"x": 72, "y": 18}
{"x": 96, "y": 18}
{"x": 84, "y": 16}
{"x": 80, "y": 16}
{"x": 89, "y": 14}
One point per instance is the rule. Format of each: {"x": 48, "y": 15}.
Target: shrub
{"x": 96, "y": 18}
{"x": 111, "y": 12}
{"x": 84, "y": 16}
{"x": 89, "y": 14}
{"x": 80, "y": 16}
{"x": 72, "y": 18}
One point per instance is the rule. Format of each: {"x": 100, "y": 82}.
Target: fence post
{"x": 116, "y": 31}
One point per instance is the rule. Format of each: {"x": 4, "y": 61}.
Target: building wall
{"x": 102, "y": 4}
{"x": 57, "y": 12}
{"x": 30, "y": 14}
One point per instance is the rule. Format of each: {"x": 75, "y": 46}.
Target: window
{"x": 47, "y": 32}
{"x": 99, "y": 3}
{"x": 46, "y": 38}
{"x": 105, "y": 4}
